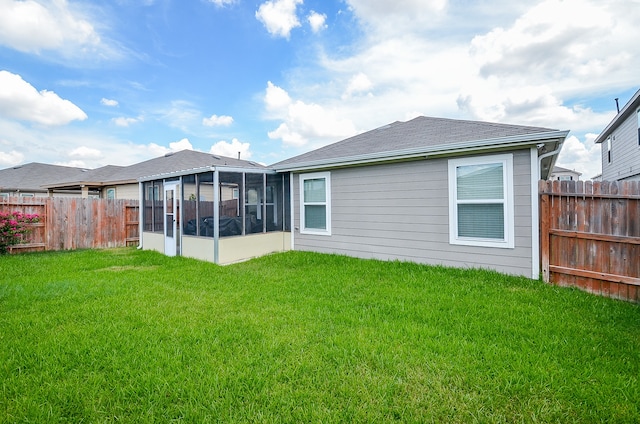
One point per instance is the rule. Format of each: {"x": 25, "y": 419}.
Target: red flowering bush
{"x": 13, "y": 227}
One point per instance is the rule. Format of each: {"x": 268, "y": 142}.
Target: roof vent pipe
{"x": 617, "y": 105}
{"x": 238, "y": 155}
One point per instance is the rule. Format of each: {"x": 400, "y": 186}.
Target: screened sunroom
{"x": 218, "y": 214}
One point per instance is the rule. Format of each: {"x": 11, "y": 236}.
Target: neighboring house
{"x": 121, "y": 182}
{"x": 429, "y": 190}
{"x": 620, "y": 144}
{"x": 28, "y": 180}
{"x": 564, "y": 174}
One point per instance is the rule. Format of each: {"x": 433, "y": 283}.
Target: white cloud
{"x": 108, "y": 102}
{"x": 317, "y": 21}
{"x": 232, "y": 149}
{"x": 32, "y": 27}
{"x": 279, "y": 16}
{"x": 183, "y": 144}
{"x": 358, "y": 84}
{"x": 62, "y": 145}
{"x": 20, "y": 100}
{"x": 550, "y": 45}
{"x": 215, "y": 121}
{"x": 543, "y": 40}
{"x": 537, "y": 67}
{"x": 582, "y": 156}
{"x": 385, "y": 17}
{"x": 222, "y": 3}
{"x": 304, "y": 123}
{"x": 276, "y": 99}
{"x": 11, "y": 158}
{"x": 126, "y": 122}
{"x": 86, "y": 153}
{"x": 156, "y": 150}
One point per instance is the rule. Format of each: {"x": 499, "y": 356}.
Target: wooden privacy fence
{"x": 590, "y": 236}
{"x": 76, "y": 223}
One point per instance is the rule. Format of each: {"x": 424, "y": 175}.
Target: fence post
{"x": 544, "y": 229}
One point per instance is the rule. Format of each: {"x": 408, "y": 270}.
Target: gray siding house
{"x": 429, "y": 190}
{"x": 620, "y": 142}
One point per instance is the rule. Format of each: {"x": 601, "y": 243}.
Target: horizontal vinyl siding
{"x": 127, "y": 191}
{"x": 625, "y": 152}
{"x": 401, "y": 211}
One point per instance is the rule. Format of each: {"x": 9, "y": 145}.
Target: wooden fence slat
{"x": 590, "y": 236}
{"x": 75, "y": 223}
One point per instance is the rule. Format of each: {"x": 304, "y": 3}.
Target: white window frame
{"x": 638, "y": 116}
{"x": 508, "y": 242}
{"x": 327, "y": 203}
{"x": 109, "y": 191}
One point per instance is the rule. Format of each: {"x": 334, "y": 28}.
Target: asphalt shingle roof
{"x": 172, "y": 162}
{"x": 32, "y": 176}
{"x": 420, "y": 132}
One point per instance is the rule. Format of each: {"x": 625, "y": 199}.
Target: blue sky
{"x": 92, "y": 83}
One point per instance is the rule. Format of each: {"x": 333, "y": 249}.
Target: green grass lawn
{"x": 133, "y": 336}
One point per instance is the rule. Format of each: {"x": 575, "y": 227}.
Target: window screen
{"x": 481, "y": 201}
{"x": 480, "y": 196}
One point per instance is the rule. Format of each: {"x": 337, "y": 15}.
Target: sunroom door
{"x": 171, "y": 197}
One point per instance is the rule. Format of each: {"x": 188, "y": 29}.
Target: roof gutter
{"x": 425, "y": 152}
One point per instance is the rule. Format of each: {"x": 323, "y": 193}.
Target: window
{"x": 111, "y": 193}
{"x": 609, "y": 149}
{"x": 638, "y": 115}
{"x": 481, "y": 201}
{"x": 315, "y": 203}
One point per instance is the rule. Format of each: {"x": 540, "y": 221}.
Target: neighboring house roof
{"x": 426, "y": 136}
{"x": 559, "y": 169}
{"x": 32, "y": 176}
{"x": 167, "y": 164}
{"x": 627, "y": 110}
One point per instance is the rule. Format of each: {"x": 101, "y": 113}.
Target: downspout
{"x": 535, "y": 209}
{"x": 546, "y": 155}
{"x": 291, "y": 211}
{"x": 140, "y": 212}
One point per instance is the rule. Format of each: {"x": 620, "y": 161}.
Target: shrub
{"x": 13, "y": 227}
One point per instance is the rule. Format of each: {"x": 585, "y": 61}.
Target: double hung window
{"x": 315, "y": 203}
{"x": 481, "y": 201}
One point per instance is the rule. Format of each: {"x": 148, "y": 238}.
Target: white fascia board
{"x": 519, "y": 141}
